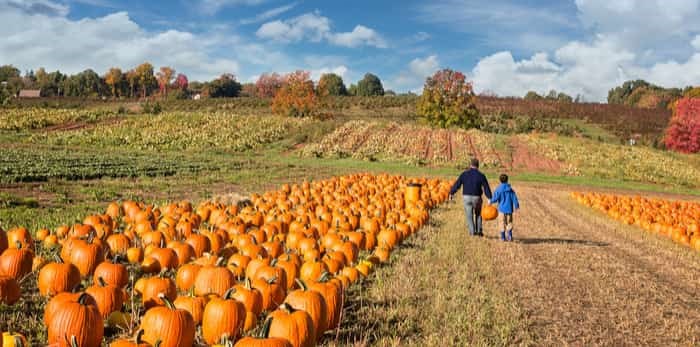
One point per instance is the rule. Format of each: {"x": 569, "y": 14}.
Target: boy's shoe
{"x": 503, "y": 235}
{"x": 510, "y": 235}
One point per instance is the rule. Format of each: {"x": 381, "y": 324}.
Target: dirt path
{"x": 524, "y": 159}
{"x": 584, "y": 280}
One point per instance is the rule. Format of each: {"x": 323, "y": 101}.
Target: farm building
{"x": 30, "y": 93}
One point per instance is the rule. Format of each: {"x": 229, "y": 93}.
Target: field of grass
{"x": 441, "y": 288}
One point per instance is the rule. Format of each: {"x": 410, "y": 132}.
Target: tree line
{"x": 144, "y": 81}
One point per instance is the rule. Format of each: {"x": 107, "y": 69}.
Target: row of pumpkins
{"x": 677, "y": 220}
{"x": 284, "y": 258}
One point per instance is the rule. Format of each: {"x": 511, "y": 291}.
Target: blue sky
{"x": 506, "y": 47}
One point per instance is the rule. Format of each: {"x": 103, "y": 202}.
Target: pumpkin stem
{"x": 82, "y": 298}
{"x": 73, "y": 341}
{"x": 325, "y": 276}
{"x": 301, "y": 284}
{"x": 221, "y": 261}
{"x": 273, "y": 262}
{"x": 18, "y": 244}
{"x": 272, "y": 280}
{"x": 139, "y": 335}
{"x": 101, "y": 281}
{"x": 247, "y": 283}
{"x": 265, "y": 332}
{"x": 158, "y": 343}
{"x": 167, "y": 301}
{"x": 19, "y": 341}
{"x": 228, "y": 293}
{"x": 287, "y": 308}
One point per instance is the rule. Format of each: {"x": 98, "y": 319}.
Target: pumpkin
{"x": 489, "y": 212}
{"x": 137, "y": 341}
{"x": 249, "y": 297}
{"x": 86, "y": 256}
{"x": 332, "y": 292}
{"x": 76, "y": 322}
{"x": 271, "y": 271}
{"x": 57, "y": 302}
{"x": 56, "y": 278}
{"x": 311, "y": 302}
{"x": 16, "y": 262}
{"x": 13, "y": 340}
{"x": 213, "y": 279}
{"x": 272, "y": 293}
{"x": 263, "y": 339}
{"x": 168, "y": 325}
{"x": 223, "y": 319}
{"x": 109, "y": 298}
{"x": 112, "y": 273}
{"x": 9, "y": 290}
{"x": 134, "y": 255}
{"x": 165, "y": 257}
{"x": 154, "y": 288}
{"x": 186, "y": 275}
{"x": 118, "y": 244}
{"x": 292, "y": 325}
{"x": 20, "y": 238}
{"x": 192, "y": 304}
{"x": 312, "y": 270}
{"x": 3, "y": 240}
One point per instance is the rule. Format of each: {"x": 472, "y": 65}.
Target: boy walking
{"x": 507, "y": 204}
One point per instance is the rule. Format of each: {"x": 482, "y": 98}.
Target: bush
{"x": 296, "y": 97}
{"x": 448, "y": 100}
{"x": 683, "y": 132}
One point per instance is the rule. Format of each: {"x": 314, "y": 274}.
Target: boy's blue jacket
{"x": 506, "y": 198}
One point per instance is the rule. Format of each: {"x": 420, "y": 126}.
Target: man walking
{"x": 473, "y": 184}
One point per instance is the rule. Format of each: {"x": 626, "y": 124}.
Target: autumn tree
{"x": 146, "y": 81}
{"x": 296, "y": 97}
{"x": 331, "y": 84}
{"x": 370, "y": 85}
{"x": 181, "y": 82}
{"x": 448, "y": 100}
{"x": 114, "y": 79}
{"x": 683, "y": 132}
{"x": 164, "y": 76}
{"x": 249, "y": 90}
{"x": 267, "y": 85}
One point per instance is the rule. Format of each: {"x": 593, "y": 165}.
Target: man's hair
{"x": 503, "y": 178}
{"x": 475, "y": 162}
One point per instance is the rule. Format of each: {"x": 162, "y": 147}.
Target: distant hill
{"x": 643, "y": 94}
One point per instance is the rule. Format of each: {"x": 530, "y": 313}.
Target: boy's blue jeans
{"x": 472, "y": 211}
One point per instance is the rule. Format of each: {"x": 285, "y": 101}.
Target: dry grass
{"x": 441, "y": 289}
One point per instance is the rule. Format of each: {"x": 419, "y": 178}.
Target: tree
{"x": 181, "y": 82}
{"x": 84, "y": 84}
{"x": 132, "y": 79}
{"x": 331, "y": 84}
{"x": 296, "y": 97}
{"x": 224, "y": 86}
{"x": 565, "y": 98}
{"x": 370, "y": 85}
{"x": 532, "y": 95}
{"x": 683, "y": 132}
{"x": 449, "y": 100}
{"x": 249, "y": 90}
{"x": 352, "y": 90}
{"x": 164, "y": 76}
{"x": 114, "y": 79}
{"x": 7, "y": 72}
{"x": 146, "y": 81}
{"x": 267, "y": 85}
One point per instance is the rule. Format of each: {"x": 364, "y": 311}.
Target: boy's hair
{"x": 503, "y": 178}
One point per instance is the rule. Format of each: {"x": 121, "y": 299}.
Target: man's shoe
{"x": 503, "y": 235}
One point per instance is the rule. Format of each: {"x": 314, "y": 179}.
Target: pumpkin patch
{"x": 182, "y": 274}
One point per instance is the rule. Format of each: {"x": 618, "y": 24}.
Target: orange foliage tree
{"x": 296, "y": 97}
{"x": 449, "y": 100}
{"x": 683, "y": 132}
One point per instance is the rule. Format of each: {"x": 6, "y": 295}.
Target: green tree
{"x": 532, "y": 95}
{"x": 352, "y": 90}
{"x": 331, "y": 84}
{"x": 449, "y": 100}
{"x": 224, "y": 86}
{"x": 370, "y": 85}
{"x": 7, "y": 72}
{"x": 565, "y": 98}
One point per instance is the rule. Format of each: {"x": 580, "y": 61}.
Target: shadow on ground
{"x": 536, "y": 241}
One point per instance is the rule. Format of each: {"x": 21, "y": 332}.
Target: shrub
{"x": 683, "y": 132}
{"x": 449, "y": 100}
{"x": 296, "y": 97}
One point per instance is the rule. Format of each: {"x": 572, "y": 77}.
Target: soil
{"x": 72, "y": 126}
{"x": 584, "y": 279}
{"x": 524, "y": 159}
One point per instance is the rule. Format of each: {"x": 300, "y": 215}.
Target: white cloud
{"x": 213, "y": 6}
{"x": 271, "y": 13}
{"x": 359, "y": 36}
{"x": 46, "y": 7}
{"x": 341, "y": 71}
{"x": 414, "y": 77}
{"x": 655, "y": 40}
{"x": 315, "y": 27}
{"x": 35, "y": 40}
